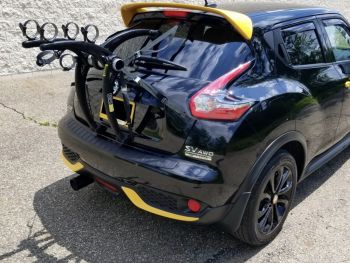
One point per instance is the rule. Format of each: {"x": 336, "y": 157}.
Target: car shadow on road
{"x": 96, "y": 226}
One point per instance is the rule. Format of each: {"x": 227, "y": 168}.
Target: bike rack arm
{"x": 107, "y": 93}
{"x": 123, "y": 36}
{"x": 38, "y": 42}
{"x": 78, "y": 46}
{"x": 81, "y": 71}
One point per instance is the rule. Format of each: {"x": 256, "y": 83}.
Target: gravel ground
{"x": 43, "y": 220}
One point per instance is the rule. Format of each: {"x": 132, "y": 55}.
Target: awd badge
{"x": 195, "y": 152}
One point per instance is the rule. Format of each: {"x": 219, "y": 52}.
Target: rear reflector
{"x": 106, "y": 185}
{"x": 194, "y": 205}
{"x": 212, "y": 103}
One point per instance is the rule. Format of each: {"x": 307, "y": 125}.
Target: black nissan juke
{"x": 209, "y": 114}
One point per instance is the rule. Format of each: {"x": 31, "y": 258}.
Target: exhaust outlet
{"x": 80, "y": 182}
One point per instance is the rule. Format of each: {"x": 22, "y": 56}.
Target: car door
{"x": 308, "y": 63}
{"x": 337, "y": 35}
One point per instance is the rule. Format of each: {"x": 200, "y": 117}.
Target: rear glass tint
{"x": 303, "y": 45}
{"x": 208, "y": 47}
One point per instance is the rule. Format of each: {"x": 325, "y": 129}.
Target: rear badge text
{"x": 195, "y": 152}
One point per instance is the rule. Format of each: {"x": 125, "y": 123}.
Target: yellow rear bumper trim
{"x": 74, "y": 167}
{"x": 241, "y": 22}
{"x": 137, "y": 201}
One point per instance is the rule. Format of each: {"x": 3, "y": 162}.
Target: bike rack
{"x": 88, "y": 55}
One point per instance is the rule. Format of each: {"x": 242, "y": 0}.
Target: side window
{"x": 302, "y": 44}
{"x": 339, "y": 37}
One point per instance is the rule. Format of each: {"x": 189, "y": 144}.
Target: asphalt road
{"x": 43, "y": 220}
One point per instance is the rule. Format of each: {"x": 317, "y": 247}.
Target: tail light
{"x": 213, "y": 103}
{"x": 175, "y": 13}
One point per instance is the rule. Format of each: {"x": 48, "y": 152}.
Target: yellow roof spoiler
{"x": 242, "y": 23}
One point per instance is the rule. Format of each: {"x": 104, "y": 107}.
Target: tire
{"x": 265, "y": 213}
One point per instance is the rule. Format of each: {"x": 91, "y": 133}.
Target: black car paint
{"x": 343, "y": 69}
{"x": 301, "y": 105}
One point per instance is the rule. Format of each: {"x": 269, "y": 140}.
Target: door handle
{"x": 347, "y": 85}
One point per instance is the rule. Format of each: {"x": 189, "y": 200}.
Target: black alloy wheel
{"x": 270, "y": 201}
{"x": 274, "y": 201}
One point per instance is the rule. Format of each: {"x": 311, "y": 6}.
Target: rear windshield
{"x": 208, "y": 47}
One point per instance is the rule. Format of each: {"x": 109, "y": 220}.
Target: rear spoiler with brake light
{"x": 242, "y": 23}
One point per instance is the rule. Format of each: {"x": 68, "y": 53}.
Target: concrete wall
{"x": 103, "y": 13}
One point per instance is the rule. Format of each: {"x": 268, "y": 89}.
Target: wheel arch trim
{"x": 233, "y": 219}
{"x": 268, "y": 153}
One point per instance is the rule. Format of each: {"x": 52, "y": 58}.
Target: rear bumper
{"x": 146, "y": 176}
{"x": 151, "y": 200}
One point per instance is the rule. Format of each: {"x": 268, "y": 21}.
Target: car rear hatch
{"x": 206, "y": 45}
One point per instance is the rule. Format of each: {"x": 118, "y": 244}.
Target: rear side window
{"x": 302, "y": 44}
{"x": 207, "y": 47}
{"x": 339, "y": 37}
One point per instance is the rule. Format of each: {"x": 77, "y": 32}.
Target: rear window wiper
{"x": 156, "y": 63}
